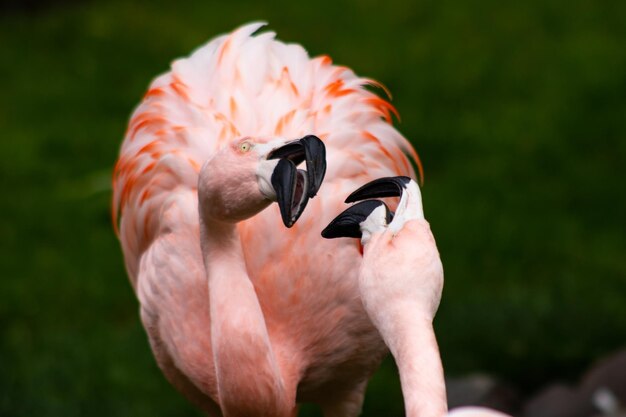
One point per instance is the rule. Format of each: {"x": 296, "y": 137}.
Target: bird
{"x": 401, "y": 282}
{"x": 247, "y": 310}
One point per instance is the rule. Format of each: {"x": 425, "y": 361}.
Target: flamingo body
{"x": 294, "y": 304}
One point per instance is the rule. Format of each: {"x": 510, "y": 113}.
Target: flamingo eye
{"x": 245, "y": 147}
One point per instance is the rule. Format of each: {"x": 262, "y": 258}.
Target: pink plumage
{"x": 304, "y": 335}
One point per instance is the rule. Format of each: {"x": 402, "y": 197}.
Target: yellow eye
{"x": 245, "y": 146}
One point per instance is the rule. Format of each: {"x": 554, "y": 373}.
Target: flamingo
{"x": 244, "y": 316}
{"x": 401, "y": 282}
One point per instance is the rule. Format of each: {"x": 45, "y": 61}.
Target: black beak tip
{"x": 328, "y": 232}
{"x": 315, "y": 156}
{"x": 348, "y": 223}
{"x": 336, "y": 229}
{"x": 286, "y": 176}
{"x": 379, "y": 188}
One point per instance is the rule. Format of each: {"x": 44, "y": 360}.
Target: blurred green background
{"x": 518, "y": 110}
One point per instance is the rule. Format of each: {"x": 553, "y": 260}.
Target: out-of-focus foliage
{"x": 518, "y": 110}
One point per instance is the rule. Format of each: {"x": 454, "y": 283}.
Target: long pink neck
{"x": 248, "y": 378}
{"x": 411, "y": 339}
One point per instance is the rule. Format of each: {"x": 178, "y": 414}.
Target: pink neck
{"x": 412, "y": 342}
{"x": 248, "y": 376}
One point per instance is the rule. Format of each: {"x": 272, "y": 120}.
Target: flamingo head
{"x": 246, "y": 176}
{"x": 401, "y": 264}
{"x": 370, "y": 216}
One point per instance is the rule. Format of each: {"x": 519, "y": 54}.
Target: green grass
{"x": 517, "y": 110}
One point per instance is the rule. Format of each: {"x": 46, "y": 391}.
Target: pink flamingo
{"x": 245, "y": 317}
{"x": 400, "y": 282}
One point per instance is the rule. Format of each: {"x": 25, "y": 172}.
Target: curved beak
{"x": 294, "y": 187}
{"x": 382, "y": 187}
{"x": 348, "y": 223}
